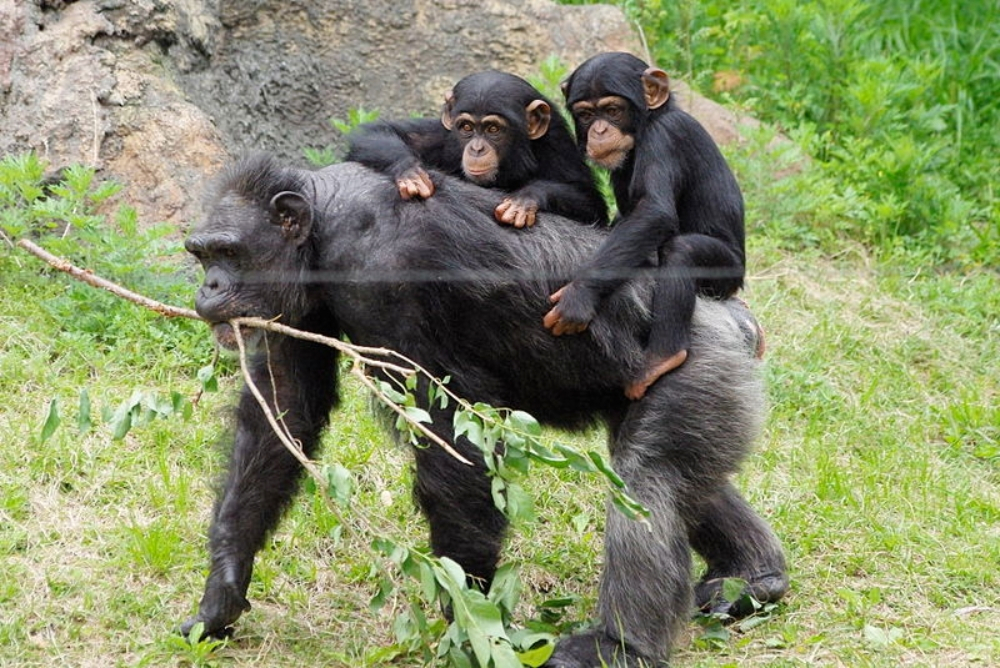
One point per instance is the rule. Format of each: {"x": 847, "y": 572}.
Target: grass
{"x": 879, "y": 468}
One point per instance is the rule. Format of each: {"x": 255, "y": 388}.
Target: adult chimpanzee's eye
{"x": 585, "y": 116}
{"x": 614, "y": 113}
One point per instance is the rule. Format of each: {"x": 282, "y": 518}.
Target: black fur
{"x": 441, "y": 282}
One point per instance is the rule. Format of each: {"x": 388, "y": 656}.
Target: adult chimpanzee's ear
{"x": 446, "y": 113}
{"x": 292, "y": 212}
{"x": 655, "y": 87}
{"x": 564, "y": 87}
{"x": 538, "y": 113}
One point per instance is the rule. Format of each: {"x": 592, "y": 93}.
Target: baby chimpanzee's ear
{"x": 655, "y": 87}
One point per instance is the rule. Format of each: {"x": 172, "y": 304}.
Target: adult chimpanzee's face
{"x": 606, "y": 125}
{"x": 252, "y": 260}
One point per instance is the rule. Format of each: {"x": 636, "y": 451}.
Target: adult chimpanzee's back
{"x": 337, "y": 252}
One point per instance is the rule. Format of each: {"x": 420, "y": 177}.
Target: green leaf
{"x": 574, "y": 459}
{"x": 427, "y": 582}
{"x": 385, "y": 589}
{"x": 52, "y": 421}
{"x": 480, "y": 644}
{"x": 504, "y": 655}
{"x": 194, "y": 635}
{"x": 450, "y": 574}
{"x": 84, "y": 422}
{"x": 383, "y": 545}
{"x": 468, "y": 425}
{"x": 561, "y": 602}
{"x": 733, "y": 589}
{"x": 497, "y": 486}
{"x": 520, "y": 505}
{"x": 604, "y": 467}
{"x": 126, "y": 415}
{"x": 391, "y": 393}
{"x": 505, "y": 590}
{"x": 417, "y": 415}
{"x": 410, "y": 382}
{"x": 524, "y": 422}
{"x": 537, "y": 656}
{"x": 206, "y": 376}
{"x": 341, "y": 483}
{"x": 541, "y": 454}
{"x": 457, "y": 658}
{"x": 483, "y": 625}
{"x": 629, "y": 507}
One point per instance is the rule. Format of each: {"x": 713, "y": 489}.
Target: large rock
{"x": 158, "y": 93}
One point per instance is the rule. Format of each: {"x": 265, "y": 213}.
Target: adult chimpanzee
{"x": 496, "y": 131}
{"x": 679, "y": 206}
{"x": 332, "y": 252}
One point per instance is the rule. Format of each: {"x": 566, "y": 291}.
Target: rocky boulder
{"x": 157, "y": 94}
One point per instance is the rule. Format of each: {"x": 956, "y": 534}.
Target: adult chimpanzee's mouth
{"x": 225, "y": 336}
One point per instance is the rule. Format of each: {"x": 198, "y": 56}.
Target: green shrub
{"x": 897, "y": 102}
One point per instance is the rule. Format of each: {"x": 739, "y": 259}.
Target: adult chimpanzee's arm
{"x": 262, "y": 475}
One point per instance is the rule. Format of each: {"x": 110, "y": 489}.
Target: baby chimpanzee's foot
{"x": 651, "y": 372}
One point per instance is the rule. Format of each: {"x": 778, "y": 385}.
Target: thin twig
{"x": 291, "y": 444}
{"x": 91, "y": 278}
{"x": 367, "y": 382}
{"x": 362, "y": 355}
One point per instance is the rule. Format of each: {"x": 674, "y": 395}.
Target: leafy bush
{"x": 73, "y": 217}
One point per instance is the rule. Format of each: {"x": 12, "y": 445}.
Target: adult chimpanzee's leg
{"x": 736, "y": 543}
{"x": 299, "y": 381}
{"x": 465, "y": 524}
{"x": 645, "y": 590}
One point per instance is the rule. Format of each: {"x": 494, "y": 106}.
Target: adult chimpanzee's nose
{"x": 213, "y": 297}
{"x": 213, "y": 278}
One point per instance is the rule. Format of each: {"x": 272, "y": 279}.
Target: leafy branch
{"x": 508, "y": 439}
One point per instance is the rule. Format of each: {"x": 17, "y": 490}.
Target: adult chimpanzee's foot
{"x": 768, "y": 588}
{"x": 596, "y": 649}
